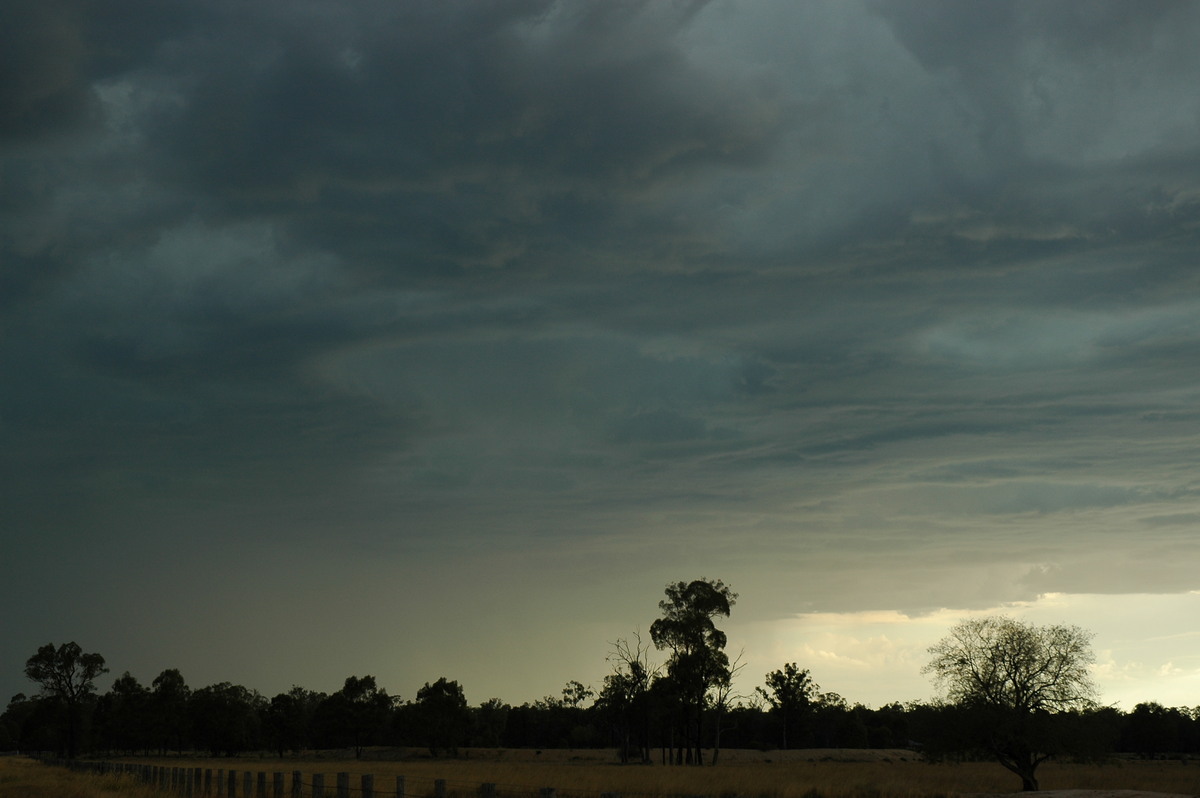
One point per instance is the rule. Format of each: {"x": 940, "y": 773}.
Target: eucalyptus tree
{"x": 790, "y": 692}
{"x": 357, "y": 715}
{"x": 442, "y": 716}
{"x": 697, "y": 663}
{"x": 1012, "y": 679}
{"x": 67, "y": 674}
{"x": 226, "y": 718}
{"x": 289, "y": 719}
{"x": 169, "y": 709}
{"x": 123, "y": 715}
{"x": 370, "y": 710}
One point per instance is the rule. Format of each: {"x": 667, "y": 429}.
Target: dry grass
{"x": 25, "y": 778}
{"x": 586, "y": 774}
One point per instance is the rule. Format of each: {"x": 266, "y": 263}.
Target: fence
{"x": 221, "y": 783}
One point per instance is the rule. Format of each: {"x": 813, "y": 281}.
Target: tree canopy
{"x": 698, "y": 662}
{"x": 790, "y": 691}
{"x": 67, "y": 674}
{"x": 1011, "y": 677}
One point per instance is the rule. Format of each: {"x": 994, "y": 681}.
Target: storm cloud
{"x": 859, "y": 306}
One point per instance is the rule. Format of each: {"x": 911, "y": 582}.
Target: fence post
{"x": 232, "y": 790}
{"x": 318, "y": 785}
{"x": 208, "y": 781}
{"x": 546, "y": 792}
{"x": 343, "y": 785}
{"x": 487, "y": 790}
{"x": 297, "y": 785}
{"x": 262, "y": 784}
{"x": 400, "y": 785}
{"x": 277, "y": 785}
{"x": 220, "y": 782}
{"x": 247, "y": 784}
{"x": 439, "y": 788}
{"x": 368, "y": 785}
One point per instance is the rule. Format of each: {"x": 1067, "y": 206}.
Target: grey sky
{"x": 445, "y": 334}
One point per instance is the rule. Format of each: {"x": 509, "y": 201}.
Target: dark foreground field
{"x": 772, "y": 774}
{"x": 587, "y": 774}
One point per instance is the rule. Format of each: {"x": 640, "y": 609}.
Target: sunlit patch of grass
{"x": 25, "y": 778}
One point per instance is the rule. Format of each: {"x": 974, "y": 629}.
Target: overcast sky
{"x": 424, "y": 339}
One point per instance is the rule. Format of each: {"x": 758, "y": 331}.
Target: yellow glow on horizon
{"x": 876, "y": 656}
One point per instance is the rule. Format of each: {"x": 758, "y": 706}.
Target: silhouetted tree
{"x": 790, "y": 692}
{"x": 625, "y": 698}
{"x": 32, "y": 724}
{"x": 225, "y": 718}
{"x": 574, "y": 694}
{"x": 169, "y": 697}
{"x": 1011, "y": 677}
{"x": 123, "y": 715}
{"x": 11, "y": 722}
{"x": 1152, "y": 729}
{"x": 290, "y": 717}
{"x": 698, "y": 662}
{"x": 888, "y": 727}
{"x": 488, "y": 723}
{"x": 719, "y": 702}
{"x": 834, "y": 724}
{"x": 67, "y": 675}
{"x": 358, "y": 714}
{"x": 442, "y": 716}
{"x": 564, "y": 722}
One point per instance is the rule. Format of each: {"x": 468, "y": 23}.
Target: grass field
{"x": 25, "y": 778}
{"x": 586, "y": 774}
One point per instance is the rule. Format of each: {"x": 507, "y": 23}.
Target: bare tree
{"x": 722, "y": 698}
{"x": 625, "y": 697}
{"x": 1012, "y": 677}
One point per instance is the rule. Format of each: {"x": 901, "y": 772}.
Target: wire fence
{"x": 221, "y": 783}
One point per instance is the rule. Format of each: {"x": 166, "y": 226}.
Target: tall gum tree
{"x": 67, "y": 674}
{"x": 697, "y": 662}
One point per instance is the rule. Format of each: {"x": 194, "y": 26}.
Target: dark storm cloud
{"x": 438, "y": 137}
{"x": 43, "y": 81}
{"x": 837, "y": 293}
{"x": 410, "y": 139}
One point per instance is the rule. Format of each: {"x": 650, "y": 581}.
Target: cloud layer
{"x": 861, "y": 307}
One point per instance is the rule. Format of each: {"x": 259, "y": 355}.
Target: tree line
{"x": 1011, "y": 692}
{"x": 225, "y": 719}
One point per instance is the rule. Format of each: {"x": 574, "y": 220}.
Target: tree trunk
{"x": 72, "y": 730}
{"x": 1024, "y": 766}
